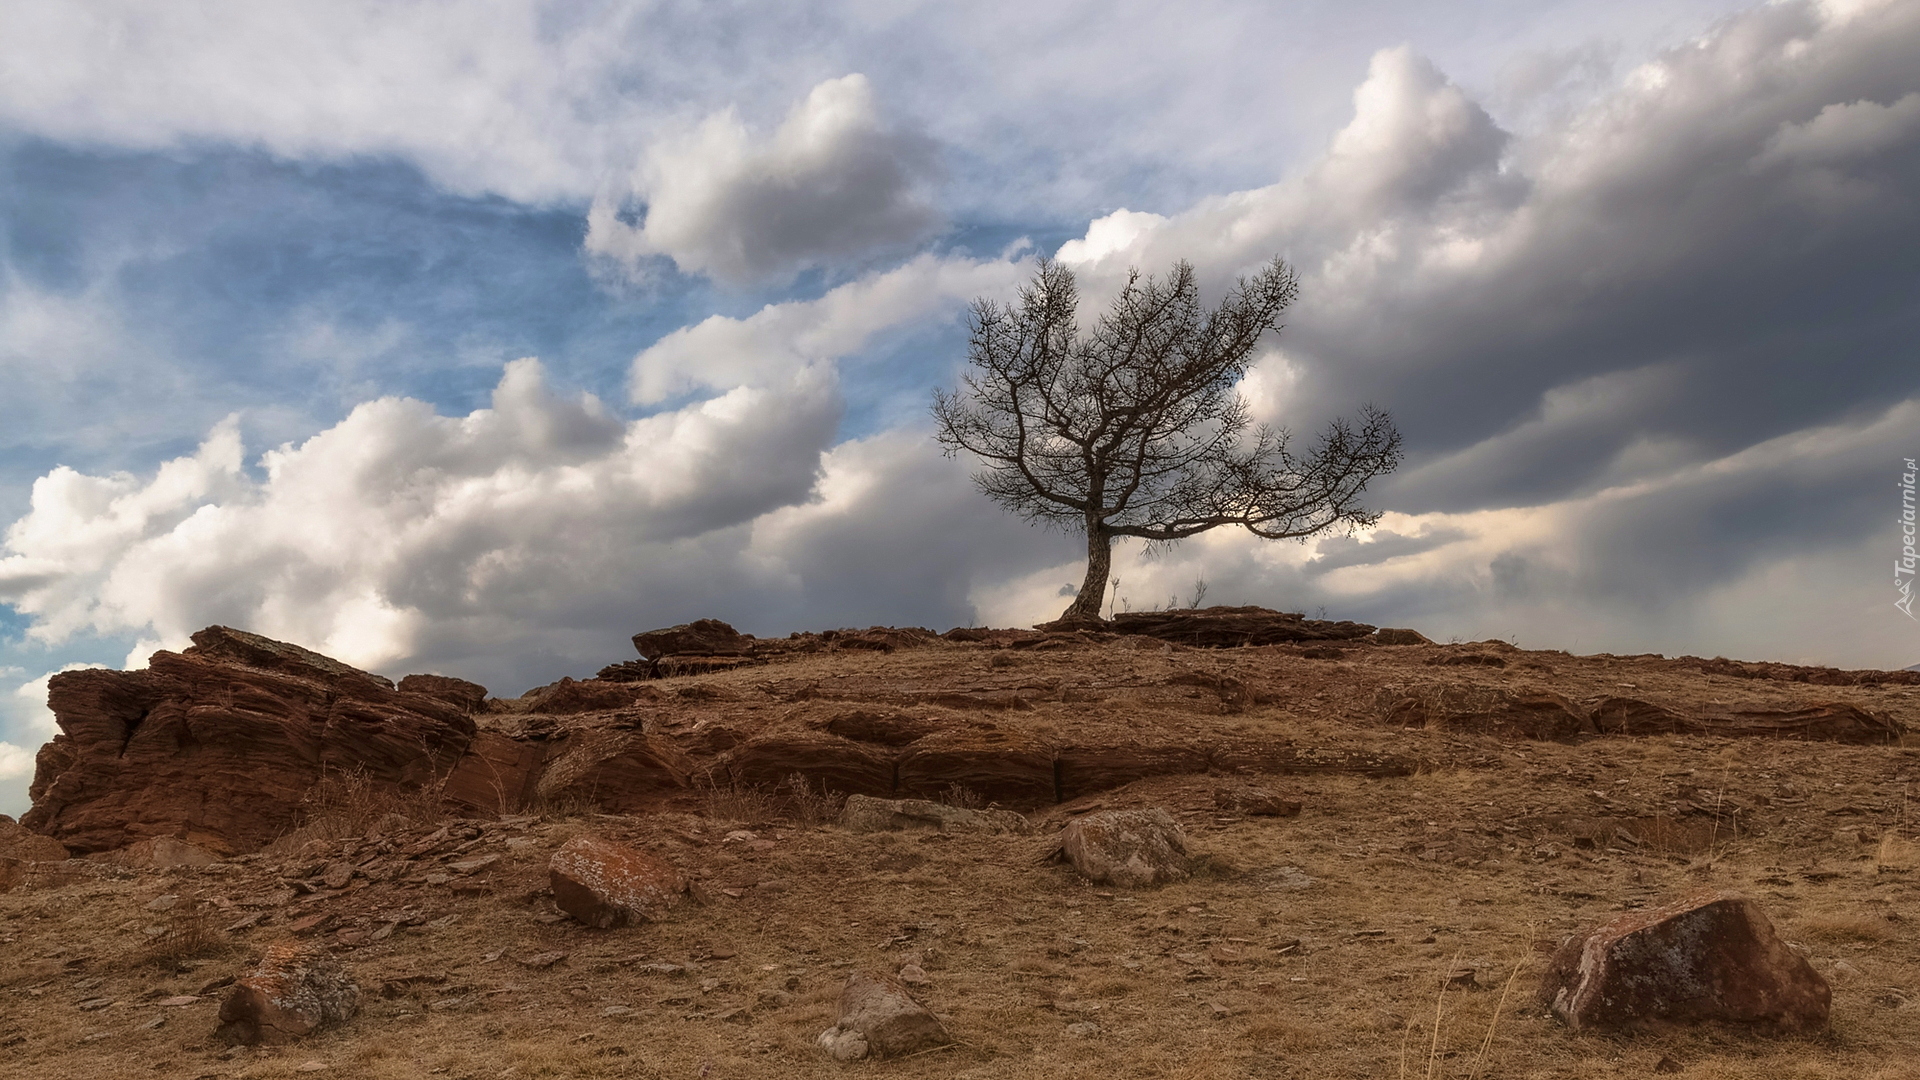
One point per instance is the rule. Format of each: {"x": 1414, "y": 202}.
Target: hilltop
{"x": 1461, "y": 809}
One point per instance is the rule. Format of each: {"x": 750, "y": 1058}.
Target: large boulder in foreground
{"x": 216, "y": 744}
{"x": 878, "y": 1018}
{"x": 605, "y": 884}
{"x": 1711, "y": 957}
{"x": 1129, "y": 848}
{"x": 295, "y": 991}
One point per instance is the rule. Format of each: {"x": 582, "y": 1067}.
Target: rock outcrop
{"x": 216, "y": 744}
{"x": 702, "y": 637}
{"x": 878, "y": 1018}
{"x": 17, "y": 842}
{"x": 295, "y": 991}
{"x": 1232, "y": 627}
{"x": 1712, "y": 957}
{"x": 604, "y": 884}
{"x": 1130, "y": 848}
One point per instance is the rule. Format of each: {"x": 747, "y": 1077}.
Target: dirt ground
{"x": 1396, "y": 927}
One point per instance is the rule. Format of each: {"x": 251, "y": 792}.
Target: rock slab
{"x": 1710, "y": 957}
{"x": 296, "y": 991}
{"x": 702, "y": 637}
{"x": 1129, "y": 848}
{"x": 605, "y": 884}
{"x": 879, "y": 1018}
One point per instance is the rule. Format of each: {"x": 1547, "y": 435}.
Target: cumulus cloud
{"x": 399, "y": 531}
{"x": 782, "y": 339}
{"x": 831, "y": 182}
{"x": 1600, "y": 340}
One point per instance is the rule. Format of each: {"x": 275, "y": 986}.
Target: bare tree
{"x": 1138, "y": 428}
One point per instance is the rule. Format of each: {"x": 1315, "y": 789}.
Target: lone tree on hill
{"x": 1138, "y": 428}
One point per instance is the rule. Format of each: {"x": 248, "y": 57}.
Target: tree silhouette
{"x": 1138, "y": 427}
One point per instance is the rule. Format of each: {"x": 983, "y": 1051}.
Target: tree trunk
{"x": 1093, "y": 591}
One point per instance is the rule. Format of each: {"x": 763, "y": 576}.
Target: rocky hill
{"x": 1373, "y": 831}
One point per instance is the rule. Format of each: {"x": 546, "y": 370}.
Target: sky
{"x": 473, "y": 337}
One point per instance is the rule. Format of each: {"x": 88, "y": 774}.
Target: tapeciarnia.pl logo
{"x": 1903, "y": 567}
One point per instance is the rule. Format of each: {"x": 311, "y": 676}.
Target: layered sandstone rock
{"x": 216, "y": 744}
{"x": 1712, "y": 957}
{"x": 295, "y": 991}
{"x": 702, "y": 637}
{"x": 604, "y": 884}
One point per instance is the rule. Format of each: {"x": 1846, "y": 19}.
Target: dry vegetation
{"x": 1393, "y": 929}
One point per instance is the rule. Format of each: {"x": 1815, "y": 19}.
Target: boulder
{"x": 878, "y": 1012}
{"x": 216, "y": 745}
{"x": 17, "y": 842}
{"x": 1709, "y": 957}
{"x": 1129, "y": 848}
{"x": 702, "y": 637}
{"x": 605, "y": 884}
{"x": 865, "y": 814}
{"x": 1232, "y": 627}
{"x": 1388, "y": 635}
{"x": 295, "y": 991}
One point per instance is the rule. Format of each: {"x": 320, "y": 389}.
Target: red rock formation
{"x": 1712, "y": 957}
{"x": 216, "y": 744}
{"x": 702, "y": 637}
{"x": 604, "y": 884}
{"x": 1001, "y": 766}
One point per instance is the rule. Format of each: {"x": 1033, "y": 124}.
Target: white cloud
{"x": 16, "y": 762}
{"x": 833, "y": 182}
{"x": 780, "y": 340}
{"x": 378, "y": 538}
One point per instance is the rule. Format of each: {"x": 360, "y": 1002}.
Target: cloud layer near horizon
{"x": 1655, "y": 362}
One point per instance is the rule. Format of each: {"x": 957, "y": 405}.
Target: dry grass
{"x": 347, "y": 802}
{"x": 1312, "y": 950}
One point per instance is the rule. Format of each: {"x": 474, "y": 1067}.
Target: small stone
{"x": 843, "y": 1045}
{"x": 544, "y": 960}
{"x": 311, "y": 1066}
{"x": 1083, "y": 1029}
{"x": 163, "y": 903}
{"x": 155, "y": 1024}
{"x": 913, "y": 975}
{"x": 473, "y": 866}
{"x": 338, "y": 875}
{"x": 180, "y": 1000}
{"x": 94, "y": 1004}
{"x": 616, "y": 1010}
